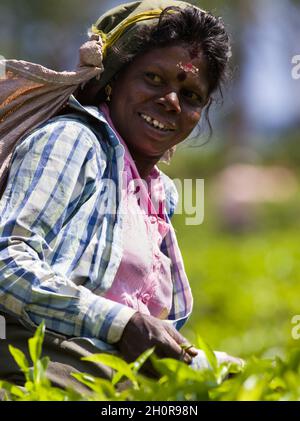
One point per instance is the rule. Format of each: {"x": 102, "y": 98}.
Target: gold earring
{"x": 108, "y": 90}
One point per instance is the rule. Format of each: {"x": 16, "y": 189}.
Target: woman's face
{"x": 158, "y": 99}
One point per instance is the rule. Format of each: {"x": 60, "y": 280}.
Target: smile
{"x": 155, "y": 123}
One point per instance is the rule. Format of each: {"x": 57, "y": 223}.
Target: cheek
{"x": 193, "y": 119}
{"x": 138, "y": 95}
{"x": 130, "y": 91}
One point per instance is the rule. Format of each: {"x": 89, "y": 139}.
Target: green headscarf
{"x": 119, "y": 25}
{"x": 30, "y": 94}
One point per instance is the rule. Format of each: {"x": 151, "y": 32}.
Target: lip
{"x": 153, "y": 133}
{"x": 170, "y": 126}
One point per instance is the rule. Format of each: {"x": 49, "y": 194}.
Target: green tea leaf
{"x": 212, "y": 359}
{"x": 40, "y": 372}
{"x": 140, "y": 361}
{"x": 12, "y": 389}
{"x": 102, "y": 387}
{"x": 19, "y": 358}
{"x": 115, "y": 363}
{"x": 35, "y": 343}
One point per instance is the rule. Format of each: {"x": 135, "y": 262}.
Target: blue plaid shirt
{"x": 61, "y": 230}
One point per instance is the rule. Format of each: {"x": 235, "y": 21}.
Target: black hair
{"x": 199, "y": 30}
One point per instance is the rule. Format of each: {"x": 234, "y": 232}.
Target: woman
{"x": 86, "y": 244}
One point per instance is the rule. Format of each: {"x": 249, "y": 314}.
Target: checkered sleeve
{"x": 50, "y": 172}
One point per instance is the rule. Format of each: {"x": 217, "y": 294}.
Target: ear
{"x": 114, "y": 79}
{"x": 208, "y": 102}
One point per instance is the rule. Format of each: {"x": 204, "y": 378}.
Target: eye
{"x": 192, "y": 96}
{"x": 153, "y": 77}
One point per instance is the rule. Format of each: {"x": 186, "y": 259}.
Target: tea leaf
{"x": 115, "y": 363}
{"x": 35, "y": 343}
{"x": 19, "y": 358}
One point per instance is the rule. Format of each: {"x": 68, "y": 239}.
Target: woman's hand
{"x": 143, "y": 332}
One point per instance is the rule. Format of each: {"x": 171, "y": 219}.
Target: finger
{"x": 186, "y": 358}
{"x": 171, "y": 349}
{"x": 192, "y": 351}
{"x": 182, "y": 342}
{"x": 176, "y": 335}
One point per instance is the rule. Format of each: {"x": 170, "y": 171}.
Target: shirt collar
{"x": 102, "y": 114}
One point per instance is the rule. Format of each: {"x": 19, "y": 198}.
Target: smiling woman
{"x": 162, "y": 106}
{"x": 86, "y": 241}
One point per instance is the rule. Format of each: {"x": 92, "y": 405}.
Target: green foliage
{"x": 246, "y": 284}
{"x": 265, "y": 379}
{"x": 177, "y": 381}
{"x": 37, "y": 387}
{"x": 246, "y": 287}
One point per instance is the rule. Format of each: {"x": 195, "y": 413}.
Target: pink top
{"x": 143, "y": 280}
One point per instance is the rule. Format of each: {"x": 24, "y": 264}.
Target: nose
{"x": 171, "y": 102}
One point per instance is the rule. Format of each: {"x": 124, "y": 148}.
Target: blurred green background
{"x": 243, "y": 261}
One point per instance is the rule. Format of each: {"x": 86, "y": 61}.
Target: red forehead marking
{"x": 188, "y": 68}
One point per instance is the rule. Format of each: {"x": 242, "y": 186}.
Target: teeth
{"x": 154, "y": 122}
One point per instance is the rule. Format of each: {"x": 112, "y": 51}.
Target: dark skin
{"x": 155, "y": 85}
